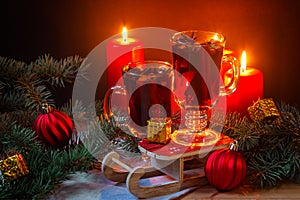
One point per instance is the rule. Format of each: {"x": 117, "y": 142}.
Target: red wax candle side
{"x": 119, "y": 54}
{"x": 249, "y": 89}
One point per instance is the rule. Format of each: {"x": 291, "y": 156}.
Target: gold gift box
{"x": 159, "y": 130}
{"x": 12, "y": 167}
{"x": 263, "y": 110}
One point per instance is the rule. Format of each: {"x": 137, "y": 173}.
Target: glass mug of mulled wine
{"x": 145, "y": 91}
{"x": 198, "y": 58}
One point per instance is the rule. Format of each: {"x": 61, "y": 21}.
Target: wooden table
{"x": 283, "y": 192}
{"x": 93, "y": 185}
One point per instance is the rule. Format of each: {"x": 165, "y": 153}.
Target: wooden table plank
{"x": 284, "y": 191}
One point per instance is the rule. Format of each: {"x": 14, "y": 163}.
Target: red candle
{"x": 249, "y": 89}
{"x": 120, "y": 52}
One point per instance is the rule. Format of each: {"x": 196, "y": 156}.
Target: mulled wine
{"x": 198, "y": 63}
{"x": 149, "y": 88}
{"x": 197, "y": 57}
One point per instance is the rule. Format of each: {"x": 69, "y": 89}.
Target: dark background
{"x": 268, "y": 30}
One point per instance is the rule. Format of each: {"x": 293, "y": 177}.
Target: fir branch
{"x": 269, "y": 169}
{"x": 102, "y": 136}
{"x": 24, "y": 88}
{"x": 290, "y": 117}
{"x": 95, "y": 138}
{"x": 11, "y": 69}
{"x": 238, "y": 128}
{"x": 271, "y": 148}
{"x": 19, "y": 117}
{"x": 37, "y": 80}
{"x": 1, "y": 87}
{"x": 35, "y": 93}
{"x": 12, "y": 100}
{"x": 119, "y": 137}
{"x": 19, "y": 139}
{"x": 56, "y": 72}
{"x": 79, "y": 109}
{"x": 47, "y": 167}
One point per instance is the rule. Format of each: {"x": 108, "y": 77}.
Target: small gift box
{"x": 263, "y": 110}
{"x": 12, "y": 167}
{"x": 159, "y": 130}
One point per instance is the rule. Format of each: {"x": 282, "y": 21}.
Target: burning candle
{"x": 120, "y": 52}
{"x": 249, "y": 89}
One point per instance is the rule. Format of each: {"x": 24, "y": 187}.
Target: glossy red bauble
{"x": 53, "y": 127}
{"x": 225, "y": 169}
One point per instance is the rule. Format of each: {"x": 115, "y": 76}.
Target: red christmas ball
{"x": 225, "y": 169}
{"x": 53, "y": 127}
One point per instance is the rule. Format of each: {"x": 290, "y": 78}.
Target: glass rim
{"x": 219, "y": 37}
{"x": 145, "y": 64}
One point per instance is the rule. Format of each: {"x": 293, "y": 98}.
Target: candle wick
{"x": 243, "y": 70}
{"x": 124, "y": 35}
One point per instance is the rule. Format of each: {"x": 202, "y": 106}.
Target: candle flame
{"x": 243, "y": 63}
{"x": 124, "y": 35}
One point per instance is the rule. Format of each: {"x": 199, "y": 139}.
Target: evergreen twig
{"x": 271, "y": 149}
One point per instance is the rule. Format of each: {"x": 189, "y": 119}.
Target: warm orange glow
{"x": 243, "y": 63}
{"x": 124, "y": 35}
{"x": 216, "y": 37}
{"x": 227, "y": 51}
{"x": 125, "y": 40}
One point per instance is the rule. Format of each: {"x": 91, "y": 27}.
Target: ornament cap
{"x": 234, "y": 146}
{"x": 46, "y": 108}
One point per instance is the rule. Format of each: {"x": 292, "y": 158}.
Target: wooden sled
{"x": 173, "y": 167}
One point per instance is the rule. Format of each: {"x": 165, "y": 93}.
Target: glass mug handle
{"x": 230, "y": 87}
{"x": 120, "y": 118}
